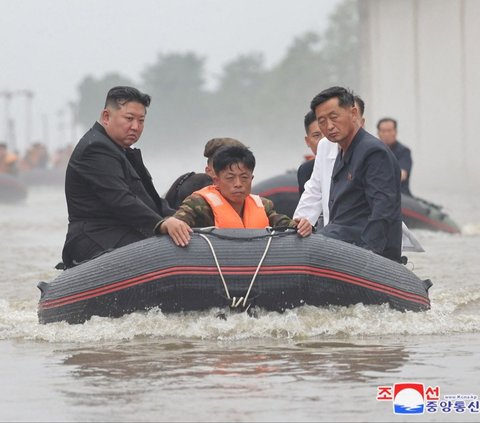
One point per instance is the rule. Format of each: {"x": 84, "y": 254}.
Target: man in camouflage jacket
{"x": 228, "y": 203}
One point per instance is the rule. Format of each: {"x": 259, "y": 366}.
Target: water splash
{"x": 471, "y": 229}
{"x": 449, "y": 314}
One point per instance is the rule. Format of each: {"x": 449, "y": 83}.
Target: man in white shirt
{"x": 314, "y": 200}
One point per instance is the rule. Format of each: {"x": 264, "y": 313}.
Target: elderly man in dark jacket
{"x": 110, "y": 195}
{"x": 365, "y": 199}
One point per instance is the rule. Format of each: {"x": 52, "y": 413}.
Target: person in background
{"x": 110, "y": 195}
{"x": 190, "y": 182}
{"x": 228, "y": 203}
{"x": 387, "y": 132}
{"x": 364, "y": 193}
{"x": 312, "y": 138}
{"x": 36, "y": 157}
{"x": 8, "y": 160}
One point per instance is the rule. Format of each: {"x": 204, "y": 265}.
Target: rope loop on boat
{"x": 258, "y": 267}
{"x": 277, "y": 232}
{"x": 218, "y": 264}
{"x": 236, "y": 302}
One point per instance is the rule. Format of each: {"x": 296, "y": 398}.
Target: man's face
{"x": 234, "y": 183}
{"x": 124, "y": 125}
{"x": 313, "y": 136}
{"x": 387, "y": 132}
{"x": 338, "y": 124}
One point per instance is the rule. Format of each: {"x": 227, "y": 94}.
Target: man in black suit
{"x": 387, "y": 132}
{"x": 110, "y": 195}
{"x": 365, "y": 200}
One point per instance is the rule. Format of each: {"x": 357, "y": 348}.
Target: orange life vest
{"x": 254, "y": 215}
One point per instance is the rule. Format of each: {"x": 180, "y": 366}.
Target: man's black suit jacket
{"x": 110, "y": 196}
{"x": 304, "y": 173}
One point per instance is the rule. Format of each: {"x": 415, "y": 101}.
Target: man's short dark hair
{"x": 118, "y": 96}
{"x": 226, "y": 157}
{"x": 345, "y": 97}
{"x": 309, "y": 119}
{"x": 387, "y": 119}
{"x": 360, "y": 103}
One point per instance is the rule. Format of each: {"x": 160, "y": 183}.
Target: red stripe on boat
{"x": 212, "y": 270}
{"x": 278, "y": 190}
{"x": 431, "y": 222}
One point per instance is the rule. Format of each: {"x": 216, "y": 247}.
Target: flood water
{"x": 309, "y": 364}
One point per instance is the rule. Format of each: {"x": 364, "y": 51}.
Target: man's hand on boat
{"x": 178, "y": 230}
{"x": 304, "y": 228}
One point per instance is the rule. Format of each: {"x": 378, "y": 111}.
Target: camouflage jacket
{"x": 197, "y": 213}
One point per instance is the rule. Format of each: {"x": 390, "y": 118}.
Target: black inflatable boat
{"x": 417, "y": 213}
{"x": 230, "y": 268}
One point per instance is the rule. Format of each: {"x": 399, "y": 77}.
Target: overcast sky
{"x": 49, "y": 46}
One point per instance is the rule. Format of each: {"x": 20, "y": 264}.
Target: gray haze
{"x": 412, "y": 67}
{"x": 49, "y": 46}
{"x": 420, "y": 65}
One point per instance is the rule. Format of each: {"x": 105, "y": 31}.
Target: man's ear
{"x": 215, "y": 179}
{"x": 209, "y": 171}
{"x": 356, "y": 113}
{"x": 356, "y": 116}
{"x": 105, "y": 116}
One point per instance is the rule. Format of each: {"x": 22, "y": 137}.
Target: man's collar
{"x": 99, "y": 127}
{"x": 347, "y": 156}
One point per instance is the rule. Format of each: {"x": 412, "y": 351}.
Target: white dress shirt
{"x": 314, "y": 199}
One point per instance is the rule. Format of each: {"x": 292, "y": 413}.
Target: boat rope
{"x": 279, "y": 232}
{"x": 258, "y": 267}
{"x": 236, "y": 302}
{"x": 218, "y": 265}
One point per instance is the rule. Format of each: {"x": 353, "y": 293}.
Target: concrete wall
{"x": 421, "y": 65}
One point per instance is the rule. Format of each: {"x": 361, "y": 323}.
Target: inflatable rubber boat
{"x": 421, "y": 214}
{"x": 417, "y": 213}
{"x": 235, "y": 268}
